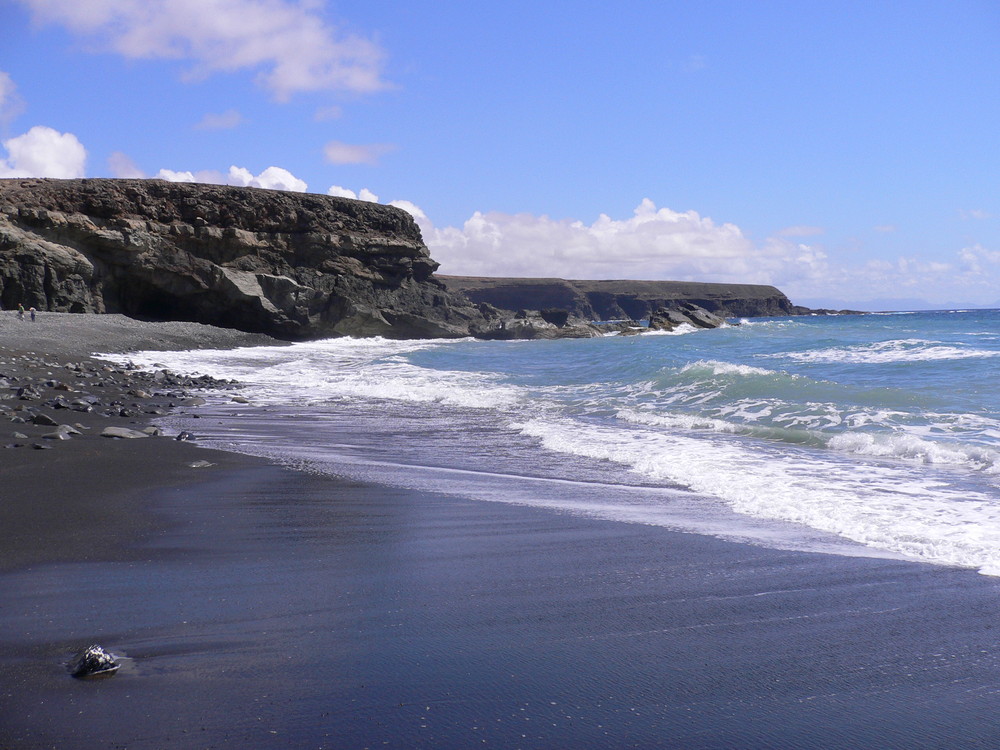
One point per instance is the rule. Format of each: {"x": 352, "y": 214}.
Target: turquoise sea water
{"x": 867, "y": 435}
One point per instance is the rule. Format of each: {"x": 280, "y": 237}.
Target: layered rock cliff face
{"x": 613, "y": 300}
{"x": 292, "y": 265}
{"x": 288, "y": 264}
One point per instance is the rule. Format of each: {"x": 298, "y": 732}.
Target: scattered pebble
{"x": 122, "y": 432}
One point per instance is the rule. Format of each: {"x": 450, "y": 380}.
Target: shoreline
{"x": 259, "y": 606}
{"x": 79, "y": 494}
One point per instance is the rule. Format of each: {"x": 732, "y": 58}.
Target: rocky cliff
{"x": 292, "y": 265}
{"x": 289, "y": 264}
{"x": 613, "y": 300}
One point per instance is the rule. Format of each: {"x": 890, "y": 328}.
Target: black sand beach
{"x": 255, "y": 606}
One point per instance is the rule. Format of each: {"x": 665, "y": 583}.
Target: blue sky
{"x": 846, "y": 152}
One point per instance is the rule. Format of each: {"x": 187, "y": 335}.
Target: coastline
{"x": 258, "y": 606}
{"x": 80, "y": 497}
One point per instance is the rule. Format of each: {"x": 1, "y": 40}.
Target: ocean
{"x": 866, "y": 435}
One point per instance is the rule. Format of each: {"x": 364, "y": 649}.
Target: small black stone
{"x": 93, "y": 661}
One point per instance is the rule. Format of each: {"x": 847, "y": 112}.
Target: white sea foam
{"x": 913, "y": 447}
{"x": 682, "y": 329}
{"x": 751, "y": 323}
{"x": 885, "y": 352}
{"x": 874, "y": 433}
{"x": 677, "y": 421}
{"x": 321, "y": 371}
{"x": 715, "y": 368}
{"x": 909, "y": 511}
{"x": 901, "y": 474}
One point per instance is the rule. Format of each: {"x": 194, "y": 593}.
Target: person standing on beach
{"x": 32, "y": 311}
{"x": 20, "y": 312}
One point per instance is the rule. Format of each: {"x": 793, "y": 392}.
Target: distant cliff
{"x": 613, "y": 300}
{"x": 293, "y": 265}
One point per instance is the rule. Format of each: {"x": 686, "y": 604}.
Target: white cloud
{"x": 11, "y": 104}
{"x": 44, "y": 152}
{"x": 276, "y": 178}
{"x": 663, "y": 244}
{"x": 290, "y": 45}
{"x": 413, "y": 209}
{"x": 121, "y": 165}
{"x": 213, "y": 178}
{"x": 341, "y": 192}
{"x": 652, "y": 244}
{"x": 222, "y": 121}
{"x": 976, "y": 260}
{"x": 338, "y": 152}
{"x": 885, "y": 228}
{"x": 272, "y": 178}
{"x": 971, "y": 276}
{"x": 975, "y": 213}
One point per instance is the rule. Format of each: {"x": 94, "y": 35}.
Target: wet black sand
{"x": 261, "y": 607}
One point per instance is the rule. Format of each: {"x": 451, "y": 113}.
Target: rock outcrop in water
{"x": 684, "y": 314}
{"x": 291, "y": 265}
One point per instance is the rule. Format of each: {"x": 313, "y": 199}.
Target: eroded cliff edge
{"x": 614, "y": 300}
{"x": 292, "y": 265}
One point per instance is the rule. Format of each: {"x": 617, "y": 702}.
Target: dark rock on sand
{"x": 93, "y": 661}
{"x": 291, "y": 265}
{"x": 122, "y": 432}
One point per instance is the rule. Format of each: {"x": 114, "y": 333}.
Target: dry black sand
{"x": 260, "y": 607}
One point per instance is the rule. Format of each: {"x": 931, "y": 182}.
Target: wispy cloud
{"x": 801, "y": 231}
{"x": 328, "y": 113}
{"x": 978, "y": 260}
{"x": 974, "y": 213}
{"x": 222, "y": 121}
{"x": 121, "y": 165}
{"x": 11, "y": 104}
{"x": 289, "y": 44}
{"x": 695, "y": 63}
{"x": 885, "y": 228}
{"x": 337, "y": 152}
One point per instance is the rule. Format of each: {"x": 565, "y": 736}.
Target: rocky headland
{"x": 624, "y": 300}
{"x": 292, "y": 265}
{"x": 295, "y": 266}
